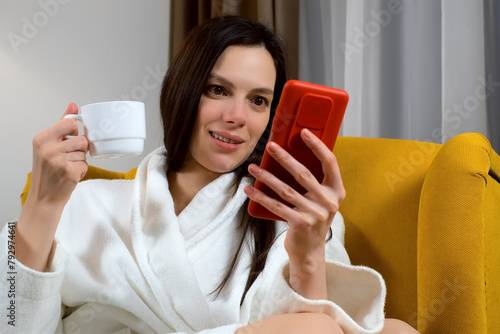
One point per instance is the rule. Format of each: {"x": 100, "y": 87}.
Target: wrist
{"x": 34, "y": 233}
{"x": 307, "y": 276}
{"x": 40, "y": 199}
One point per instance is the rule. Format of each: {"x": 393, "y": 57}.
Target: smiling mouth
{"x": 225, "y": 140}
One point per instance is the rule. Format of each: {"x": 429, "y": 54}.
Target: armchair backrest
{"x": 92, "y": 173}
{"x": 383, "y": 180}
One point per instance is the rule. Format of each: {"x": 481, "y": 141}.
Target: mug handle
{"x": 78, "y": 118}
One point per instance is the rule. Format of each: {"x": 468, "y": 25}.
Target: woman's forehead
{"x": 250, "y": 64}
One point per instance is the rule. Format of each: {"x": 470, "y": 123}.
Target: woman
{"x": 174, "y": 250}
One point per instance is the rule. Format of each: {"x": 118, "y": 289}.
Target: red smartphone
{"x": 318, "y": 108}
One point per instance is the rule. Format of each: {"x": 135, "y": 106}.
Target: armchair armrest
{"x": 458, "y": 257}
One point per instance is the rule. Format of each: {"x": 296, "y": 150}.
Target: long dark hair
{"x": 181, "y": 92}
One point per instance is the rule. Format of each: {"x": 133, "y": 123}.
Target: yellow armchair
{"x": 427, "y": 217}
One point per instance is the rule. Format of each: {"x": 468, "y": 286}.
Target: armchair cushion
{"x": 383, "y": 180}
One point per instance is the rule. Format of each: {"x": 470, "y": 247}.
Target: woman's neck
{"x": 185, "y": 183}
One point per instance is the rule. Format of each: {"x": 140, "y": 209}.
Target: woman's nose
{"x": 236, "y": 114}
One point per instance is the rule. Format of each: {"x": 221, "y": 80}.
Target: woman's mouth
{"x": 224, "y": 139}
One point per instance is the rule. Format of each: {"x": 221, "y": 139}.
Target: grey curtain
{"x": 421, "y": 70}
{"x": 492, "y": 66}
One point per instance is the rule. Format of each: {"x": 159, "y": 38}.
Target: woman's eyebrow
{"x": 260, "y": 90}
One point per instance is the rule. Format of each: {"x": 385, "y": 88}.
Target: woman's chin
{"x": 226, "y": 167}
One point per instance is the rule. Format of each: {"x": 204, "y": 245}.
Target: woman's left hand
{"x": 311, "y": 216}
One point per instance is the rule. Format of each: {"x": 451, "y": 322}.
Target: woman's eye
{"x": 260, "y": 101}
{"x": 216, "y": 90}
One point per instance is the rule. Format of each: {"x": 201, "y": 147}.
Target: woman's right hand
{"x": 59, "y": 163}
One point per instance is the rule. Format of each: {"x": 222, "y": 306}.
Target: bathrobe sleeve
{"x": 31, "y": 300}
{"x": 356, "y": 294}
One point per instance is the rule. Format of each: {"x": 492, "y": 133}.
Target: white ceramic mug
{"x": 115, "y": 129}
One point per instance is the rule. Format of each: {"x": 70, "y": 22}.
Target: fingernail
{"x": 273, "y": 147}
{"x": 249, "y": 190}
{"x": 254, "y": 169}
{"x": 307, "y": 133}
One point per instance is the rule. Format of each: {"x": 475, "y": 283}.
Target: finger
{"x": 283, "y": 190}
{"x": 76, "y": 156}
{"x": 72, "y": 109}
{"x": 85, "y": 168}
{"x": 78, "y": 166}
{"x": 278, "y": 208}
{"x": 300, "y": 172}
{"x": 331, "y": 170}
{"x": 63, "y": 128}
{"x": 304, "y": 215}
{"x": 75, "y": 144}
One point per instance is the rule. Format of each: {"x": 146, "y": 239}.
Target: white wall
{"x": 53, "y": 52}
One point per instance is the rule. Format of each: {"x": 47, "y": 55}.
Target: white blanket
{"x": 123, "y": 262}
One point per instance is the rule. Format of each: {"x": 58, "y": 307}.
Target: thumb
{"x": 71, "y": 109}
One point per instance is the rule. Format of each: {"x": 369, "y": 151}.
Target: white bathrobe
{"x": 123, "y": 262}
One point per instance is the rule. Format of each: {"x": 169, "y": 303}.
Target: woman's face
{"x": 234, "y": 109}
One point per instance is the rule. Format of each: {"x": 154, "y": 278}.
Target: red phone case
{"x": 302, "y": 105}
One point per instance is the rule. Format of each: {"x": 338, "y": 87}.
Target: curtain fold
{"x": 463, "y": 68}
{"x": 492, "y": 67}
{"x": 281, "y": 15}
{"x": 413, "y": 69}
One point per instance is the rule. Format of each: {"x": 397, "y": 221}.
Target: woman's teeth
{"x": 226, "y": 140}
